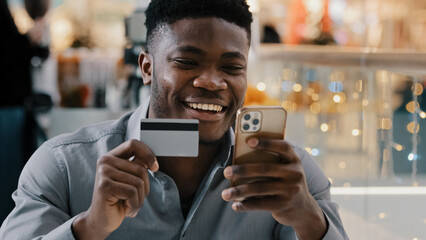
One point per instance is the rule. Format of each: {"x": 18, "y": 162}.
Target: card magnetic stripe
{"x": 169, "y": 126}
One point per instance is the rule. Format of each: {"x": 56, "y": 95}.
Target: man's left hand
{"x": 286, "y": 195}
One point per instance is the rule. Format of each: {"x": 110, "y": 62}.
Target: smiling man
{"x": 83, "y": 185}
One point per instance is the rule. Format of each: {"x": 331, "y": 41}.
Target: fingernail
{"x": 227, "y": 172}
{"x": 236, "y": 206}
{"x": 226, "y": 194}
{"x": 155, "y": 166}
{"x": 252, "y": 142}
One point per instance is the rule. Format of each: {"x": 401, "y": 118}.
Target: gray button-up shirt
{"x": 57, "y": 184}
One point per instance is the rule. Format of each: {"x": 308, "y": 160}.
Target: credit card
{"x": 170, "y": 137}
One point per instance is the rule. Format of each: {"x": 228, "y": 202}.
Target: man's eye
{"x": 233, "y": 69}
{"x": 185, "y": 62}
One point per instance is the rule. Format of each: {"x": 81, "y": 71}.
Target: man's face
{"x": 198, "y": 71}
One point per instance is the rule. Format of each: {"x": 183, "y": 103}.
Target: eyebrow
{"x": 233, "y": 55}
{"x": 195, "y": 50}
{"x": 190, "y": 49}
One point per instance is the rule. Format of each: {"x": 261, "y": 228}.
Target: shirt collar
{"x": 133, "y": 126}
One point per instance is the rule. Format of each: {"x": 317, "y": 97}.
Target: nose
{"x": 211, "y": 80}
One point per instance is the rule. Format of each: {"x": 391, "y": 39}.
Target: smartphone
{"x": 170, "y": 137}
{"x": 259, "y": 121}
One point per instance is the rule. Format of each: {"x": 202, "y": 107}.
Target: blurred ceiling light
{"x": 412, "y": 157}
{"x": 315, "y": 152}
{"x": 62, "y": 32}
{"x": 297, "y": 87}
{"x": 413, "y": 127}
{"x": 324, "y": 127}
{"x": 411, "y": 106}
{"x": 356, "y": 132}
{"x": 382, "y": 215}
{"x": 337, "y": 98}
{"x": 418, "y": 89}
{"x": 423, "y": 115}
{"x": 261, "y": 86}
{"x": 398, "y": 147}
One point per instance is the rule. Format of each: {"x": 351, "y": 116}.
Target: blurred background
{"x": 351, "y": 74}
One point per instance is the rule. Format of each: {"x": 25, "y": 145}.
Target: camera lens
{"x": 256, "y": 121}
{"x": 247, "y": 117}
{"x": 246, "y": 127}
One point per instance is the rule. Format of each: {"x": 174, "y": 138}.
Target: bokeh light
{"x": 413, "y": 127}
{"x": 261, "y": 86}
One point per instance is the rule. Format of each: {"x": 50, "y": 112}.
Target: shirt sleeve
{"x": 41, "y": 200}
{"x": 319, "y": 187}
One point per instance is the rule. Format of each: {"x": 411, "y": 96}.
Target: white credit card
{"x": 170, "y": 137}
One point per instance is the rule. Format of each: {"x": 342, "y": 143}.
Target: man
{"x": 83, "y": 185}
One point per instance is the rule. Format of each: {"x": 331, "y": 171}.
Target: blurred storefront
{"x": 351, "y": 74}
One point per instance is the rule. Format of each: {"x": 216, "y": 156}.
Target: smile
{"x": 205, "y": 106}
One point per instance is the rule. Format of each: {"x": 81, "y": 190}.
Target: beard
{"x": 212, "y": 142}
{"x": 158, "y": 103}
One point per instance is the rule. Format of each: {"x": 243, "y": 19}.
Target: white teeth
{"x": 205, "y": 106}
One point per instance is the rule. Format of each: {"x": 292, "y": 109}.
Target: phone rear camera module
{"x": 251, "y": 121}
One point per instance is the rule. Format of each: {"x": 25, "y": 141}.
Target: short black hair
{"x": 160, "y": 12}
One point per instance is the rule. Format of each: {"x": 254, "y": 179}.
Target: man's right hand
{"x": 120, "y": 189}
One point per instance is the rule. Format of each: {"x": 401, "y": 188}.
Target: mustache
{"x": 202, "y": 93}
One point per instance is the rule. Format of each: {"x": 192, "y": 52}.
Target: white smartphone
{"x": 170, "y": 137}
{"x": 260, "y": 121}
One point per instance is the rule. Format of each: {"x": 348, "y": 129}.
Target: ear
{"x": 146, "y": 65}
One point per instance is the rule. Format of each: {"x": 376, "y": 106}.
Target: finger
{"x": 142, "y": 153}
{"x": 278, "y": 146}
{"x": 115, "y": 191}
{"x": 286, "y": 172}
{"x": 125, "y": 166}
{"x": 258, "y": 189}
{"x": 141, "y": 184}
{"x": 267, "y": 204}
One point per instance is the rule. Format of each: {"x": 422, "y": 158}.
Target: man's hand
{"x": 286, "y": 195}
{"x": 120, "y": 189}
